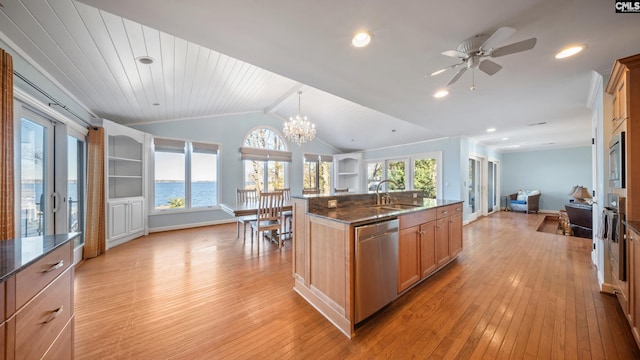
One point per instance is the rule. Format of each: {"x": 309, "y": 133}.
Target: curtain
{"x": 7, "y": 202}
{"x": 95, "y": 235}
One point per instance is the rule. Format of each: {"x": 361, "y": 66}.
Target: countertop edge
{"x": 61, "y": 241}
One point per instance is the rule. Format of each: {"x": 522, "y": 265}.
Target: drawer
{"x": 37, "y": 275}
{"x": 444, "y": 211}
{"x": 62, "y": 349}
{"x": 2, "y": 314}
{"x": 40, "y": 321}
{"x": 417, "y": 218}
{"x": 2, "y": 340}
{"x": 455, "y": 209}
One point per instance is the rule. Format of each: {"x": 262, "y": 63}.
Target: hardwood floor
{"x": 203, "y": 294}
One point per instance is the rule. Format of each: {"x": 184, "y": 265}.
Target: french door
{"x": 493, "y": 192}
{"x": 38, "y": 200}
{"x": 474, "y": 188}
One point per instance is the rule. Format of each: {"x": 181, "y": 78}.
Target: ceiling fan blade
{"x": 489, "y": 67}
{"x": 523, "y": 45}
{"x": 455, "y": 54}
{"x": 445, "y": 69}
{"x": 457, "y": 76}
{"x": 497, "y": 38}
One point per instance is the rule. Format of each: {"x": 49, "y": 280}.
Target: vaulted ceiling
{"x": 215, "y": 58}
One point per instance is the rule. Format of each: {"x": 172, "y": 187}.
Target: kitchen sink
{"x": 397, "y": 206}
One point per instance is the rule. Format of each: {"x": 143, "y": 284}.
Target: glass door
{"x": 492, "y": 187}
{"x": 474, "y": 199}
{"x": 38, "y": 200}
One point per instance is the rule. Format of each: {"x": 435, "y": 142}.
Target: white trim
{"x": 29, "y": 100}
{"x": 409, "y": 144}
{"x": 192, "y": 225}
{"x": 193, "y": 118}
{"x": 596, "y": 86}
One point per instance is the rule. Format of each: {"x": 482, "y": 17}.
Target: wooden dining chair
{"x": 269, "y": 217}
{"x": 245, "y": 196}
{"x": 287, "y": 216}
{"x": 310, "y": 191}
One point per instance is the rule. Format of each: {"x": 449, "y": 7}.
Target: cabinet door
{"x": 408, "y": 257}
{"x": 427, "y": 248}
{"x": 136, "y": 216}
{"x": 634, "y": 281}
{"x": 455, "y": 234}
{"x": 443, "y": 253}
{"x": 118, "y": 214}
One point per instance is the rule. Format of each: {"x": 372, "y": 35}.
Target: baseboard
{"x": 189, "y": 226}
{"x": 607, "y": 288}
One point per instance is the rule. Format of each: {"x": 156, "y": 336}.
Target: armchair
{"x": 527, "y": 201}
{"x": 580, "y": 219}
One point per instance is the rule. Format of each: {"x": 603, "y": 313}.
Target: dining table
{"x": 250, "y": 208}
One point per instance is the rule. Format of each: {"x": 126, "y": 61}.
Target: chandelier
{"x": 298, "y": 129}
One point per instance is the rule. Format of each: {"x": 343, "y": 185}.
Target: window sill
{"x": 184, "y": 211}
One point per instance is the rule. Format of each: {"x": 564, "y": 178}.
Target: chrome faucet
{"x": 378, "y": 200}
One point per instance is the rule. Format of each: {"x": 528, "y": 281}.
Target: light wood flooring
{"x": 203, "y": 294}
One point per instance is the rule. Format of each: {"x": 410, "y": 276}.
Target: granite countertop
{"x": 635, "y": 225}
{"x": 16, "y": 254}
{"x": 365, "y": 214}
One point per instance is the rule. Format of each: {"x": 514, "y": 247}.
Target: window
{"x": 317, "y": 172}
{"x": 265, "y": 160}
{"x": 424, "y": 174}
{"x": 185, "y": 174}
{"x": 392, "y": 169}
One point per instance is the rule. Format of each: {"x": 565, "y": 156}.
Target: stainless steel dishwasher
{"x": 376, "y": 267}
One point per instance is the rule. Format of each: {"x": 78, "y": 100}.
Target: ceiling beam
{"x": 274, "y": 107}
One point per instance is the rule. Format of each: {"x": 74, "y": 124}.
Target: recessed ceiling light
{"x": 491, "y": 130}
{"x": 361, "y": 39}
{"x": 441, "y": 93}
{"x": 569, "y": 51}
{"x": 505, "y": 138}
{"x": 146, "y": 60}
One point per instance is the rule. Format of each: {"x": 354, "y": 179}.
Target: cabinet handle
{"x": 445, "y": 212}
{"x": 457, "y": 209}
{"x": 55, "y": 266}
{"x": 54, "y": 314}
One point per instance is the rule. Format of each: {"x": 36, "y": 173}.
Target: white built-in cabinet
{"x": 125, "y": 169}
{"x": 347, "y": 171}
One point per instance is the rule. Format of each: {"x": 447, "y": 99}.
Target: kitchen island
{"x": 325, "y": 246}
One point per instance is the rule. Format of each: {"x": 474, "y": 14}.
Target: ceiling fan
{"x": 472, "y": 52}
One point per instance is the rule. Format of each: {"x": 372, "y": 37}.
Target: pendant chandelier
{"x": 298, "y": 129}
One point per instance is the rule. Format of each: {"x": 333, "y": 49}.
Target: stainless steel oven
{"x": 615, "y": 235}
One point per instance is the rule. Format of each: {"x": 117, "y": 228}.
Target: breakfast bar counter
{"x": 426, "y": 235}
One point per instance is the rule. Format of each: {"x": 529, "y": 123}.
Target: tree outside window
{"x": 259, "y": 171}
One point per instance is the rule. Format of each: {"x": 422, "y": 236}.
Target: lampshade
{"x": 581, "y": 193}
{"x": 573, "y": 189}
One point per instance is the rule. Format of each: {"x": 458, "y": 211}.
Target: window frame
{"x": 188, "y": 181}
{"x": 265, "y": 156}
{"x": 410, "y": 169}
{"x": 317, "y": 159}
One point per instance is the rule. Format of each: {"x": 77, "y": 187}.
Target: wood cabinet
{"x": 347, "y": 170}
{"x": 409, "y": 264}
{"x": 428, "y": 240}
{"x": 633, "y": 250}
{"x": 125, "y": 169}
{"x": 40, "y": 312}
{"x": 624, "y": 86}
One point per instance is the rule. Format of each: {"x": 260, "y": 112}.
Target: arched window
{"x": 265, "y": 159}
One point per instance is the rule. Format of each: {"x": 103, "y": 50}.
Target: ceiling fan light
{"x": 438, "y": 72}
{"x": 440, "y": 94}
{"x": 569, "y": 51}
{"x": 361, "y": 39}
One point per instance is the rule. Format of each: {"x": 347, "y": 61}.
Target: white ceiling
{"x": 228, "y": 57}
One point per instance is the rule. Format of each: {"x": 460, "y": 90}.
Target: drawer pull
{"x": 445, "y": 212}
{"x": 54, "y": 314}
{"x": 457, "y": 209}
{"x": 55, "y": 266}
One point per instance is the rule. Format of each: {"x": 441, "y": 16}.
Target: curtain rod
{"x": 55, "y": 102}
